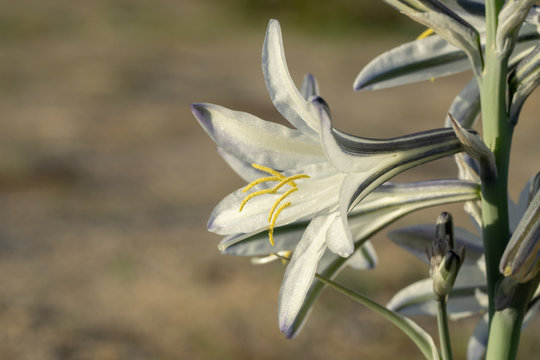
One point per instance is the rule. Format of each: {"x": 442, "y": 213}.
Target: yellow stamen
{"x": 289, "y": 180}
{"x": 260, "y": 181}
{"x": 273, "y": 223}
{"x": 282, "y": 197}
{"x": 425, "y": 34}
{"x": 252, "y": 195}
{"x": 283, "y": 180}
{"x": 267, "y": 169}
{"x": 286, "y": 180}
{"x": 507, "y": 270}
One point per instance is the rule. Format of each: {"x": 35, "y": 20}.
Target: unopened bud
{"x": 444, "y": 258}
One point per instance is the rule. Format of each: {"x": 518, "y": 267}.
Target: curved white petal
{"x": 315, "y": 195}
{"x": 301, "y": 270}
{"x": 339, "y": 238}
{"x": 254, "y": 140}
{"x": 284, "y": 94}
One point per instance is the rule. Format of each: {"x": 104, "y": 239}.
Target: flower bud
{"x": 444, "y": 258}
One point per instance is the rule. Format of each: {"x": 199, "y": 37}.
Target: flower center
{"x": 282, "y": 181}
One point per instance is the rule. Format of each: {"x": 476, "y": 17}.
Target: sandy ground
{"x": 106, "y": 183}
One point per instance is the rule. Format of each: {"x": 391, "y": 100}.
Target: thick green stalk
{"x": 505, "y": 324}
{"x": 444, "y": 333}
{"x": 497, "y": 133}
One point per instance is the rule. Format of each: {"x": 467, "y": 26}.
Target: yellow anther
{"x": 273, "y": 223}
{"x": 283, "y": 180}
{"x": 287, "y": 193}
{"x": 507, "y": 270}
{"x": 425, "y": 34}
{"x": 267, "y": 170}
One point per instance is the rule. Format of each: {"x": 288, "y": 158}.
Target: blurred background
{"x": 107, "y": 180}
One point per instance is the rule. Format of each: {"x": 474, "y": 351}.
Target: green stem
{"x": 497, "y": 136}
{"x": 505, "y": 324}
{"x": 497, "y": 133}
{"x": 415, "y": 333}
{"x": 444, "y": 333}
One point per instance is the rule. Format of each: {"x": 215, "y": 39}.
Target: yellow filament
{"x": 425, "y": 34}
{"x": 282, "y": 197}
{"x": 289, "y": 180}
{"x": 272, "y": 217}
{"x": 273, "y": 223}
{"x": 260, "y": 181}
{"x": 252, "y": 195}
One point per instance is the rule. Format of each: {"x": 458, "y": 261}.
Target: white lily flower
{"x": 310, "y": 173}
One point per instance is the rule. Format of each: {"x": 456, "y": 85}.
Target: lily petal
{"x": 301, "y": 270}
{"x": 284, "y": 94}
{"x": 339, "y": 238}
{"x": 254, "y": 140}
